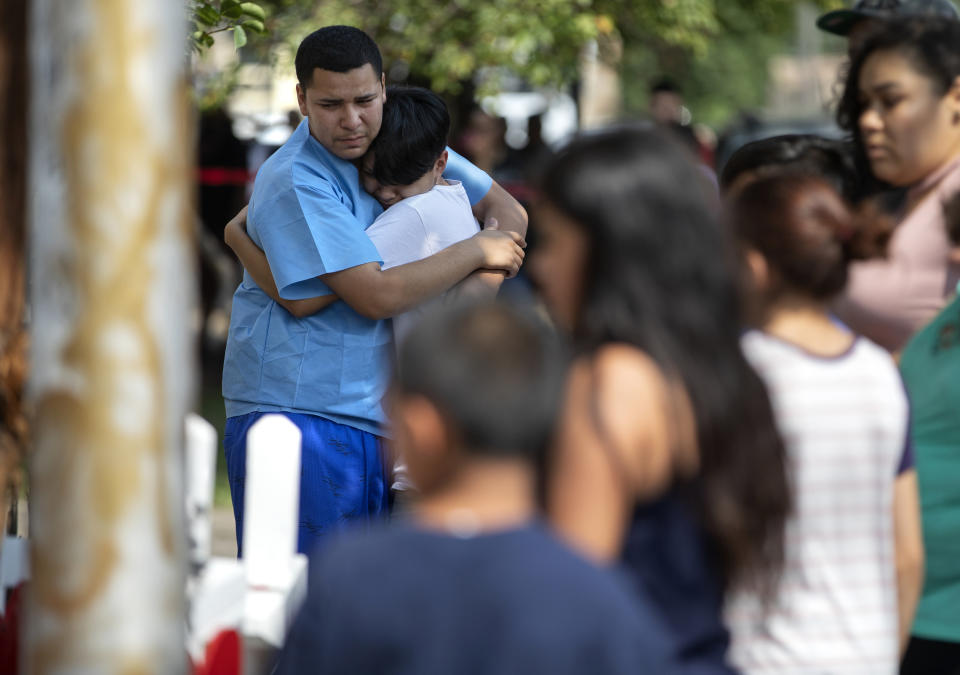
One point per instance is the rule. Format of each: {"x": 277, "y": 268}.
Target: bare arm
{"x": 379, "y": 294}
{"x": 908, "y": 549}
{"x": 507, "y": 211}
{"x": 255, "y": 262}
{"x": 500, "y": 210}
{"x": 482, "y": 284}
{"x": 607, "y": 455}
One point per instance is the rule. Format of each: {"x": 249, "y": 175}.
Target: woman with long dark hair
{"x": 667, "y": 457}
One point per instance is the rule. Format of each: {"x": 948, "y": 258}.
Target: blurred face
{"x": 559, "y": 264}
{"x": 908, "y": 128}
{"x": 388, "y": 195}
{"x": 344, "y": 109}
{"x": 666, "y": 107}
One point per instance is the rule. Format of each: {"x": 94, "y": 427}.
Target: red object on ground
{"x": 223, "y": 655}
{"x": 10, "y": 631}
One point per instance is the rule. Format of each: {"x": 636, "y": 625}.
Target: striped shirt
{"x": 844, "y": 420}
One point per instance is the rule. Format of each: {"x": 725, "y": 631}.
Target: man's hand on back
{"x": 500, "y": 250}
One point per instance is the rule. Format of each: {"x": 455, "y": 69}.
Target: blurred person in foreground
{"x": 474, "y": 582}
{"x": 865, "y": 16}
{"x": 667, "y": 460}
{"x": 327, "y": 372}
{"x": 902, "y": 101}
{"x": 931, "y": 369}
{"x": 854, "y": 553}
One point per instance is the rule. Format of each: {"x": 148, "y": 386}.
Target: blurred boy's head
{"x": 409, "y": 155}
{"x": 474, "y": 383}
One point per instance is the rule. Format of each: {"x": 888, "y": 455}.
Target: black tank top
{"x": 666, "y": 554}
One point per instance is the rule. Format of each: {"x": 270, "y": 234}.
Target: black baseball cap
{"x": 841, "y": 21}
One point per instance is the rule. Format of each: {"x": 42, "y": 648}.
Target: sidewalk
{"x": 224, "y": 539}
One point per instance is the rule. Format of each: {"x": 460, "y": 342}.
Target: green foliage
{"x": 444, "y": 44}
{"x": 718, "y": 49}
{"x": 226, "y": 15}
{"x": 721, "y": 66}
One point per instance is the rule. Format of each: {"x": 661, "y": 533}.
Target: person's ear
{"x": 441, "y": 164}
{"x": 954, "y": 255}
{"x": 423, "y": 426}
{"x": 383, "y": 86}
{"x": 953, "y": 97}
{"x": 302, "y": 100}
{"x": 758, "y": 268}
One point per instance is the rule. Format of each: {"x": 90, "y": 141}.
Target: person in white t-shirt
{"x": 403, "y": 169}
{"x": 854, "y": 554}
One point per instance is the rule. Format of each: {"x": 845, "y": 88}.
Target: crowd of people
{"x": 730, "y": 445}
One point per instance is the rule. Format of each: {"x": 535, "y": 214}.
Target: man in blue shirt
{"x": 327, "y": 372}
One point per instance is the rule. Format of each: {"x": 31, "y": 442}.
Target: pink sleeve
{"x": 889, "y": 300}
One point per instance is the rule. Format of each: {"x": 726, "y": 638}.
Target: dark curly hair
{"x": 931, "y": 45}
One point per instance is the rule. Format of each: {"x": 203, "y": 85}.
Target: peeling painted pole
{"x": 112, "y": 291}
{"x": 13, "y": 193}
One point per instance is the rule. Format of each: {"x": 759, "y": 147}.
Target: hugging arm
{"x": 255, "y": 262}
{"x": 497, "y": 210}
{"x": 378, "y": 294}
{"x": 325, "y": 235}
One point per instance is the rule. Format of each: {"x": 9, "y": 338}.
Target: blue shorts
{"x": 342, "y": 478}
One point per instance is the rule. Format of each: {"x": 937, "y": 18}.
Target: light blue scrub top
{"x": 309, "y": 215}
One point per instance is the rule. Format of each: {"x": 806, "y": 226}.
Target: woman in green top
{"x": 931, "y": 369}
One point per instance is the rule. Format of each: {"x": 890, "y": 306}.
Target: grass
{"x": 211, "y": 409}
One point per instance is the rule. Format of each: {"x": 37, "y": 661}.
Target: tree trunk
{"x": 111, "y": 290}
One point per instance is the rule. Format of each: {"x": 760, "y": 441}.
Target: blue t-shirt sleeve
{"x": 309, "y": 233}
{"x": 475, "y": 181}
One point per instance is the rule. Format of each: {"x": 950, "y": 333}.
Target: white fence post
{"x": 201, "y": 464}
{"x": 272, "y": 500}
{"x": 276, "y": 573}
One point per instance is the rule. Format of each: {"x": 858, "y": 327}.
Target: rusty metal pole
{"x": 112, "y": 292}
{"x": 13, "y": 195}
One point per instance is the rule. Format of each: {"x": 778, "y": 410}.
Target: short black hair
{"x": 413, "y": 134}
{"x": 336, "y": 48}
{"x": 495, "y": 373}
